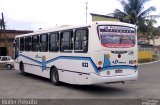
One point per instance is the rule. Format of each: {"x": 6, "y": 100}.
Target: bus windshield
{"x": 117, "y": 36}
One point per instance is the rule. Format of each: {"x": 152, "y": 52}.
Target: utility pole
{"x": 4, "y": 33}
{"x": 1, "y": 23}
{"x": 86, "y": 11}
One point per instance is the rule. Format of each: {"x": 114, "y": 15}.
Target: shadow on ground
{"x": 96, "y": 89}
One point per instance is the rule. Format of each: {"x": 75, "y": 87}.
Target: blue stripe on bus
{"x": 119, "y": 67}
{"x": 75, "y": 58}
{"x": 106, "y": 61}
{"x": 84, "y": 59}
{"x": 31, "y": 59}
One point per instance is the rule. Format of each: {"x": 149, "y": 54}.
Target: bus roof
{"x": 54, "y": 29}
{"x": 113, "y": 23}
{"x": 67, "y": 27}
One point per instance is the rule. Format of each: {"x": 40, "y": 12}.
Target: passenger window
{"x": 22, "y": 44}
{"x": 8, "y": 58}
{"x": 35, "y": 43}
{"x": 54, "y": 42}
{"x": 67, "y": 41}
{"x": 44, "y": 42}
{"x": 16, "y": 45}
{"x": 28, "y": 43}
{"x": 4, "y": 59}
{"x": 81, "y": 41}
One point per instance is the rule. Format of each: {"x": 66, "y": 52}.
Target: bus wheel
{"x": 54, "y": 77}
{"x": 9, "y": 66}
{"x": 22, "y": 68}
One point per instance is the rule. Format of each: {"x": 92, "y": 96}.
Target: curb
{"x": 148, "y": 63}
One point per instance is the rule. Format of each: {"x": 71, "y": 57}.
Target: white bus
{"x": 101, "y": 52}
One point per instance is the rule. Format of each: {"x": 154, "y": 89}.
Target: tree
{"x": 151, "y": 30}
{"x": 134, "y": 12}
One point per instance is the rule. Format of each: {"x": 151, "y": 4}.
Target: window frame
{"x": 37, "y": 43}
{"x": 87, "y": 40}
{"x": 22, "y": 45}
{"x": 71, "y": 41}
{"x": 17, "y": 43}
{"x": 45, "y": 42}
{"x": 57, "y": 41}
{"x": 4, "y": 60}
{"x": 28, "y": 44}
{"x": 135, "y": 32}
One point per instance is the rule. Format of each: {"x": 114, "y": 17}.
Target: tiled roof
{"x": 16, "y": 31}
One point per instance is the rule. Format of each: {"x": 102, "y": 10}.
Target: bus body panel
{"x": 126, "y": 64}
{"x": 84, "y": 68}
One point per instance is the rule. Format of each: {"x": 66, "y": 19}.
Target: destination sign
{"x": 117, "y": 29}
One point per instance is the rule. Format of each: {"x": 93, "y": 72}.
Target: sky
{"x": 35, "y": 14}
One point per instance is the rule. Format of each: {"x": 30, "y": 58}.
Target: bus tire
{"x": 22, "y": 68}
{"x": 9, "y": 66}
{"x": 54, "y": 76}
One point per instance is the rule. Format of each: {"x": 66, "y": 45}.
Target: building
{"x": 156, "y": 44}
{"x": 149, "y": 47}
{"x": 10, "y": 35}
{"x": 156, "y": 41}
{"x": 97, "y": 17}
{"x": 145, "y": 52}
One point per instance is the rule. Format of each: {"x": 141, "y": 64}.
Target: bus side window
{"x": 17, "y": 44}
{"x": 35, "y": 43}
{"x": 81, "y": 41}
{"x": 44, "y": 42}
{"x": 54, "y": 42}
{"x": 28, "y": 43}
{"x": 16, "y": 48}
{"x": 66, "y": 41}
{"x": 22, "y": 44}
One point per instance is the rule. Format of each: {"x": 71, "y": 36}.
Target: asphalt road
{"x": 15, "y": 85}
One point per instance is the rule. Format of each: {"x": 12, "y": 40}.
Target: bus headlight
{"x": 99, "y": 68}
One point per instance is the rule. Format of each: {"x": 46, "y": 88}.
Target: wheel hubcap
{"x": 9, "y": 66}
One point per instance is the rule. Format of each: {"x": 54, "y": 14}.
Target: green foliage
{"x": 133, "y": 12}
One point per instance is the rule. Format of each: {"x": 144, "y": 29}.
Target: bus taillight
{"x": 99, "y": 68}
{"x": 99, "y": 62}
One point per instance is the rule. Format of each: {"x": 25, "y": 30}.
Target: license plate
{"x": 118, "y": 71}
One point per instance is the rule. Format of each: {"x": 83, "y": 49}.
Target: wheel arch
{"x": 8, "y": 65}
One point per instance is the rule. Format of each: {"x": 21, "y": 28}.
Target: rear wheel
{"x": 9, "y": 66}
{"x": 54, "y": 77}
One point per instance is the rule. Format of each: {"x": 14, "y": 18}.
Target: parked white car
{"x": 6, "y": 62}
